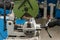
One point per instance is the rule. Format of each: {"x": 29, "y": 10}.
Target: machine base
{"x": 22, "y": 38}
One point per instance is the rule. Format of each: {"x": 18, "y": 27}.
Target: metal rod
{"x": 5, "y": 16}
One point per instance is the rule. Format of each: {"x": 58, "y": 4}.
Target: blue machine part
{"x": 2, "y": 11}
{"x": 57, "y": 15}
{"x": 20, "y": 21}
{"x": 3, "y": 34}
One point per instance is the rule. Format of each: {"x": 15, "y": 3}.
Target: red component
{"x": 48, "y": 17}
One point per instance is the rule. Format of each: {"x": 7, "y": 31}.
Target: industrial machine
{"x": 13, "y": 27}
{"x": 23, "y": 27}
{"x": 28, "y": 29}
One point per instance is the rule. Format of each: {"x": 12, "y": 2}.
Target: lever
{"x": 5, "y": 16}
{"x": 48, "y": 32}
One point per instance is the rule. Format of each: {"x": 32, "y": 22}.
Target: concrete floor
{"x": 54, "y": 32}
